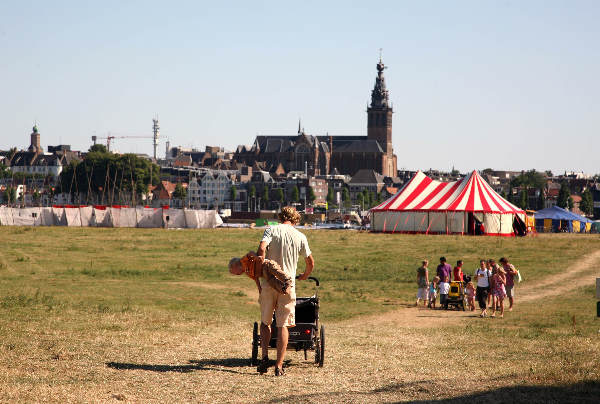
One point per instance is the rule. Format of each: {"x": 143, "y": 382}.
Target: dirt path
{"x": 580, "y": 274}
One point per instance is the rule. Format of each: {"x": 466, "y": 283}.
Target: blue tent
{"x": 557, "y": 219}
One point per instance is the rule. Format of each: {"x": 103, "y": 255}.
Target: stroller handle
{"x": 312, "y": 278}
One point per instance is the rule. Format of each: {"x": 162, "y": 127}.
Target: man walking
{"x": 282, "y": 244}
{"x": 444, "y": 270}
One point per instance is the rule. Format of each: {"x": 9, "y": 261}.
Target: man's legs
{"x": 265, "y": 337}
{"x": 282, "y": 341}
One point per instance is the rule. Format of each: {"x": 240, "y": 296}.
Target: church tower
{"x": 379, "y": 125}
{"x": 35, "y": 146}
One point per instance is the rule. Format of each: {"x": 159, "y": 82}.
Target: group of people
{"x": 495, "y": 282}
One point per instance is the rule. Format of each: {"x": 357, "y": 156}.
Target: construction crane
{"x": 154, "y": 137}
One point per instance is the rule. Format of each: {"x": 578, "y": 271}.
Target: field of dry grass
{"x": 150, "y": 315}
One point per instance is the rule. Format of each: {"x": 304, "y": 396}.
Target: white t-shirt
{"x": 483, "y": 282}
{"x": 285, "y": 244}
{"x": 444, "y": 288}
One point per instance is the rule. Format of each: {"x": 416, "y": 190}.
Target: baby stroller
{"x": 456, "y": 296}
{"x": 305, "y": 336}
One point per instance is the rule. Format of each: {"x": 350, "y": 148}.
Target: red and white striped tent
{"x": 427, "y": 206}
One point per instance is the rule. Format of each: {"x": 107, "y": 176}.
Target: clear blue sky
{"x": 475, "y": 84}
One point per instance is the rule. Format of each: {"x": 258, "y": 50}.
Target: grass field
{"x": 152, "y": 315}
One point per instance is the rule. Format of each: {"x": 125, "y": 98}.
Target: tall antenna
{"x": 380, "y": 53}
{"x": 156, "y": 132}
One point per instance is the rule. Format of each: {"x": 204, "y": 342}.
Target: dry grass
{"x": 169, "y": 333}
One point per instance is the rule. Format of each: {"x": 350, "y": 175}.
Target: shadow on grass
{"x": 202, "y": 364}
{"x": 584, "y": 392}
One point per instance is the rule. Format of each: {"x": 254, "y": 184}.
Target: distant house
{"x": 36, "y": 163}
{"x": 210, "y": 190}
{"x": 365, "y": 180}
{"x": 162, "y": 195}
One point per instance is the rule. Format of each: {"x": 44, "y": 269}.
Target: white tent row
{"x": 86, "y": 216}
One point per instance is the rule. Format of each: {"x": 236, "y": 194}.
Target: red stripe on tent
{"x": 386, "y": 204}
{"x": 460, "y": 196}
{"x": 497, "y": 206}
{"x": 484, "y": 203}
{"x": 471, "y": 197}
{"x": 444, "y": 198}
{"x": 417, "y": 191}
{"x": 431, "y": 195}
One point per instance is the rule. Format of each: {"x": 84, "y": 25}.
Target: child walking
{"x": 444, "y": 289}
{"x": 433, "y": 292}
{"x": 499, "y": 291}
{"x": 470, "y": 292}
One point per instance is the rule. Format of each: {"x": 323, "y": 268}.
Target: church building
{"x": 323, "y": 155}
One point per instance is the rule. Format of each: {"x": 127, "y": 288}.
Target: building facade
{"x": 322, "y": 155}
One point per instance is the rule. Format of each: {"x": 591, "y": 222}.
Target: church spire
{"x": 379, "y": 95}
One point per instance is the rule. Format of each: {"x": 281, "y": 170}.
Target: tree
{"x": 360, "y": 200}
{"x": 330, "y": 196}
{"x": 311, "y": 195}
{"x": 36, "y": 196}
{"x": 109, "y": 175}
{"x": 366, "y": 197}
{"x": 587, "y": 202}
{"x": 346, "y": 197}
{"x": 529, "y": 179}
{"x": 541, "y": 199}
{"x": 570, "y": 203}
{"x": 295, "y": 194}
{"x": 523, "y": 199}
{"x": 10, "y": 195}
{"x": 251, "y": 195}
{"x": 265, "y": 196}
{"x": 233, "y": 193}
{"x": 563, "y": 196}
{"x": 180, "y": 192}
{"x": 280, "y": 195}
{"x": 98, "y": 148}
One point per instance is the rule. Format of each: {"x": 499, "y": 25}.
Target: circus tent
{"x": 467, "y": 206}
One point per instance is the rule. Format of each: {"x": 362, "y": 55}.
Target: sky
{"x": 474, "y": 84}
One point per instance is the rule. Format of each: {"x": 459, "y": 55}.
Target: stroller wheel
{"x": 322, "y": 347}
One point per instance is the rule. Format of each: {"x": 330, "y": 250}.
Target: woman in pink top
{"x": 499, "y": 290}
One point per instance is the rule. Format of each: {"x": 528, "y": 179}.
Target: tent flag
{"x": 472, "y": 194}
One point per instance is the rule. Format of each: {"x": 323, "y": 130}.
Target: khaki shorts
{"x": 510, "y": 291}
{"x": 284, "y": 306}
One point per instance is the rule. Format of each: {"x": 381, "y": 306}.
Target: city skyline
{"x": 473, "y": 85}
